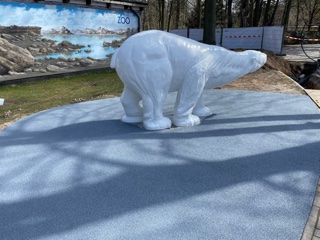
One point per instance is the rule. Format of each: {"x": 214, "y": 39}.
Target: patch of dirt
{"x": 4, "y": 125}
{"x": 275, "y": 76}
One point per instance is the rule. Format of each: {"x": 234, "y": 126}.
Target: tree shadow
{"x": 115, "y": 129}
{"x": 140, "y": 186}
{"x": 115, "y": 169}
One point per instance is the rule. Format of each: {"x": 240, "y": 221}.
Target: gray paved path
{"x": 295, "y": 52}
{"x": 77, "y": 172}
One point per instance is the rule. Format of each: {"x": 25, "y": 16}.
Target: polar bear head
{"x": 257, "y": 59}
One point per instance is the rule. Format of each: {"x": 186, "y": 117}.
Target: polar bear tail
{"x": 113, "y": 59}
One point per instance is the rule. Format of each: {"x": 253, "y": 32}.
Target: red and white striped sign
{"x": 304, "y": 39}
{"x": 253, "y": 36}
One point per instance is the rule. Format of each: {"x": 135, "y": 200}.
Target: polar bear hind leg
{"x": 147, "y": 74}
{"x": 157, "y": 76}
{"x": 152, "y": 84}
{"x": 130, "y": 102}
{"x": 153, "y": 116}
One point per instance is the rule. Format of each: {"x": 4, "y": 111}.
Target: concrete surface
{"x": 295, "y": 52}
{"x": 77, "y": 172}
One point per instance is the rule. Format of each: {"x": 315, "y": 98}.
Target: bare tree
{"x": 195, "y": 18}
{"x": 286, "y": 13}
{"x": 297, "y": 15}
{"x": 150, "y": 16}
{"x": 161, "y": 10}
{"x": 275, "y": 8}
{"x": 198, "y": 11}
{"x": 266, "y": 13}
{"x": 179, "y": 5}
{"x": 167, "y": 14}
{"x": 244, "y": 4}
{"x": 309, "y": 10}
{"x": 170, "y": 11}
{"x": 257, "y": 12}
{"x": 220, "y": 13}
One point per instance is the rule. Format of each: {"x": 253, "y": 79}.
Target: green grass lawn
{"x": 24, "y": 99}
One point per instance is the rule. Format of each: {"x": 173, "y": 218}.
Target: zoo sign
{"x": 123, "y": 19}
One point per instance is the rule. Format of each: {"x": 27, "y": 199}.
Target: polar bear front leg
{"x": 200, "y": 109}
{"x": 183, "y": 116}
{"x": 186, "y": 101}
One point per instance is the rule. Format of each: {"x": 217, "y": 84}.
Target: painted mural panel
{"x": 43, "y": 38}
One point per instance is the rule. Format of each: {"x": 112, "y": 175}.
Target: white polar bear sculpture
{"x": 153, "y": 63}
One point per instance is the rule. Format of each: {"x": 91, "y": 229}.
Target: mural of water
{"x": 93, "y": 45}
{"x": 65, "y": 23}
{"x": 27, "y": 25}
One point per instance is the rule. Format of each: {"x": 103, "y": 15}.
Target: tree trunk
{"x": 266, "y": 13}
{"x": 209, "y": 30}
{"x": 297, "y": 15}
{"x": 312, "y": 14}
{"x": 243, "y": 13}
{"x": 177, "y": 20}
{"x": 161, "y": 8}
{"x": 229, "y": 14}
{"x": 310, "y": 10}
{"x": 199, "y": 13}
{"x": 250, "y": 18}
{"x": 170, "y": 15}
{"x": 273, "y": 13}
{"x": 256, "y": 15}
{"x": 286, "y": 14}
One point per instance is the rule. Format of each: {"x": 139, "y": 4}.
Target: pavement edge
{"x": 312, "y": 228}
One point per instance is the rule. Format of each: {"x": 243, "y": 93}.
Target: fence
{"x": 262, "y": 38}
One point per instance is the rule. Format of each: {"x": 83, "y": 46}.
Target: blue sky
{"x": 56, "y": 16}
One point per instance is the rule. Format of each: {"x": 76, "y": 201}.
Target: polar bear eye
{"x": 254, "y": 60}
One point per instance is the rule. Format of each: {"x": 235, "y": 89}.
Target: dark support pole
{"x": 209, "y": 30}
{"x": 262, "y": 37}
{"x": 137, "y": 15}
{"x": 283, "y": 39}
{"x": 221, "y": 36}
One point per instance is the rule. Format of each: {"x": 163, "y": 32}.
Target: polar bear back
{"x": 164, "y": 51}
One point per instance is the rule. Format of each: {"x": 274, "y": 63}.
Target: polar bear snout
{"x": 257, "y": 59}
{"x": 263, "y": 59}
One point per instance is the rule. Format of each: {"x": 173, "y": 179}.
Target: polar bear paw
{"x": 128, "y": 119}
{"x": 202, "y": 112}
{"x": 157, "y": 124}
{"x": 186, "y": 121}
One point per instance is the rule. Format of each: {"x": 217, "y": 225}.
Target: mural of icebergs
{"x": 93, "y": 29}
{"x": 76, "y": 19}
